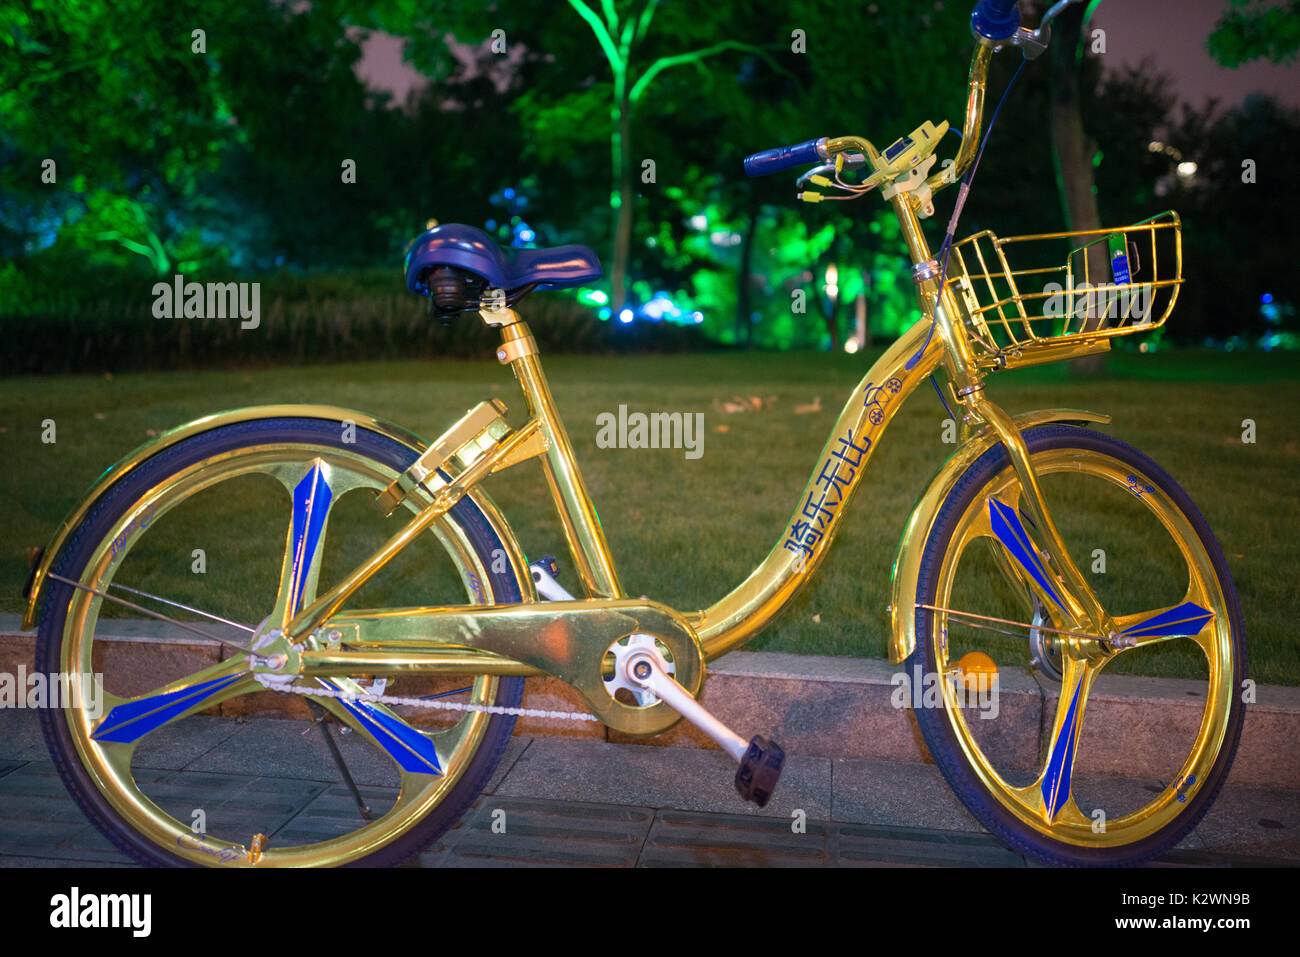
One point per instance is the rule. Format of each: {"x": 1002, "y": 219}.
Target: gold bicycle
{"x": 987, "y": 578}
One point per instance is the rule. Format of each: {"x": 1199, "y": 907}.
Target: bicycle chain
{"x": 271, "y": 683}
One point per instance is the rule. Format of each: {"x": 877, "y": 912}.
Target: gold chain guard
{"x": 564, "y": 639}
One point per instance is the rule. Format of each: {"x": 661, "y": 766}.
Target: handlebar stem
{"x": 971, "y": 127}
{"x": 938, "y": 305}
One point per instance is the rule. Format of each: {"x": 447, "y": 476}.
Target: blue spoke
{"x": 1011, "y": 532}
{"x": 133, "y": 720}
{"x": 411, "y": 750}
{"x": 1056, "y": 779}
{"x": 311, "y": 503}
{"x": 1184, "y": 621}
{"x": 312, "y": 498}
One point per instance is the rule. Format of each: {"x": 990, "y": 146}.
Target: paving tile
{"x": 897, "y": 793}
{"x": 332, "y": 813}
{"x": 171, "y": 746}
{"x": 588, "y": 804}
{"x": 37, "y": 793}
{"x": 1114, "y": 794}
{"x": 862, "y": 845}
{"x": 235, "y": 806}
{"x": 549, "y": 834}
{"x": 1253, "y": 822}
{"x": 438, "y": 852}
{"x": 17, "y": 860}
{"x": 647, "y": 776}
{"x": 686, "y": 839}
{"x": 1202, "y": 858}
{"x": 39, "y": 819}
{"x": 296, "y": 749}
{"x": 180, "y": 743}
{"x": 515, "y": 748}
{"x": 20, "y": 734}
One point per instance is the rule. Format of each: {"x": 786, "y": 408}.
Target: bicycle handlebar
{"x": 995, "y": 19}
{"x": 783, "y": 157}
{"x": 991, "y": 20}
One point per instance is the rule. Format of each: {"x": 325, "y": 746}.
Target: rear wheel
{"x": 1071, "y": 791}
{"x": 220, "y": 532}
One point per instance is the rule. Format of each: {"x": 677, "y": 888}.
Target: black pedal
{"x": 759, "y": 770}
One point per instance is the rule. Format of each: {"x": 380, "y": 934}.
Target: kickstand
{"x": 320, "y": 718}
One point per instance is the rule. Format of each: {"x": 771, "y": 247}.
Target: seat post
{"x": 582, "y": 529}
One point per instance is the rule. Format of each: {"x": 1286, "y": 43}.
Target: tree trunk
{"x": 623, "y": 183}
{"x": 831, "y": 306}
{"x": 1073, "y": 152}
{"x": 868, "y": 289}
{"x": 745, "y": 283}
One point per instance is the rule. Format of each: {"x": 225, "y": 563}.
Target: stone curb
{"x": 840, "y": 708}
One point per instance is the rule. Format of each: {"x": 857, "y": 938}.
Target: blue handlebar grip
{"x": 995, "y": 19}
{"x": 783, "y": 157}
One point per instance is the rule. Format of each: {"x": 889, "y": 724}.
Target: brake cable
{"x": 945, "y": 248}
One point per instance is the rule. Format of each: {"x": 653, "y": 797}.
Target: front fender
{"x": 134, "y": 459}
{"x": 907, "y": 564}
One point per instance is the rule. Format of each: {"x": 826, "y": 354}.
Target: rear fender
{"x": 45, "y": 560}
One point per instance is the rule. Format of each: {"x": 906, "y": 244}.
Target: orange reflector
{"x": 976, "y": 668}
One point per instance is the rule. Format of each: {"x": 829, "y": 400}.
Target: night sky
{"x": 1170, "y": 32}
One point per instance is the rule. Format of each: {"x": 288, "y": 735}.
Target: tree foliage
{"x": 1256, "y": 30}
{"x": 225, "y": 152}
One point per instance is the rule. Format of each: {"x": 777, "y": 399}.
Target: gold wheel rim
{"x": 109, "y": 763}
{"x": 1029, "y": 804}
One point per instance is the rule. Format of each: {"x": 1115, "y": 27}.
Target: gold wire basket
{"x": 1114, "y": 282}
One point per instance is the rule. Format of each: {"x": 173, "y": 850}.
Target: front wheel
{"x": 221, "y": 532}
{"x": 987, "y": 590}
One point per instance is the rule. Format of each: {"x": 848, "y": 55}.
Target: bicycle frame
{"x": 607, "y": 644}
{"x": 844, "y": 458}
{"x": 569, "y": 639}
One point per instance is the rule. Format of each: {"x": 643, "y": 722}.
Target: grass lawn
{"x": 686, "y": 531}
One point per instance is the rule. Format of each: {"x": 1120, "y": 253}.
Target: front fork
{"x": 1080, "y": 603}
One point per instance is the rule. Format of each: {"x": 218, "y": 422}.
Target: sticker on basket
{"x": 1119, "y": 261}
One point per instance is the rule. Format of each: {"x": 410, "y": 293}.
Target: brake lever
{"x": 850, "y": 161}
{"x": 822, "y": 170}
{"x": 1033, "y": 43}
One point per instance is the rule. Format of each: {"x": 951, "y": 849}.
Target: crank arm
{"x": 655, "y": 679}
{"x": 642, "y": 666}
